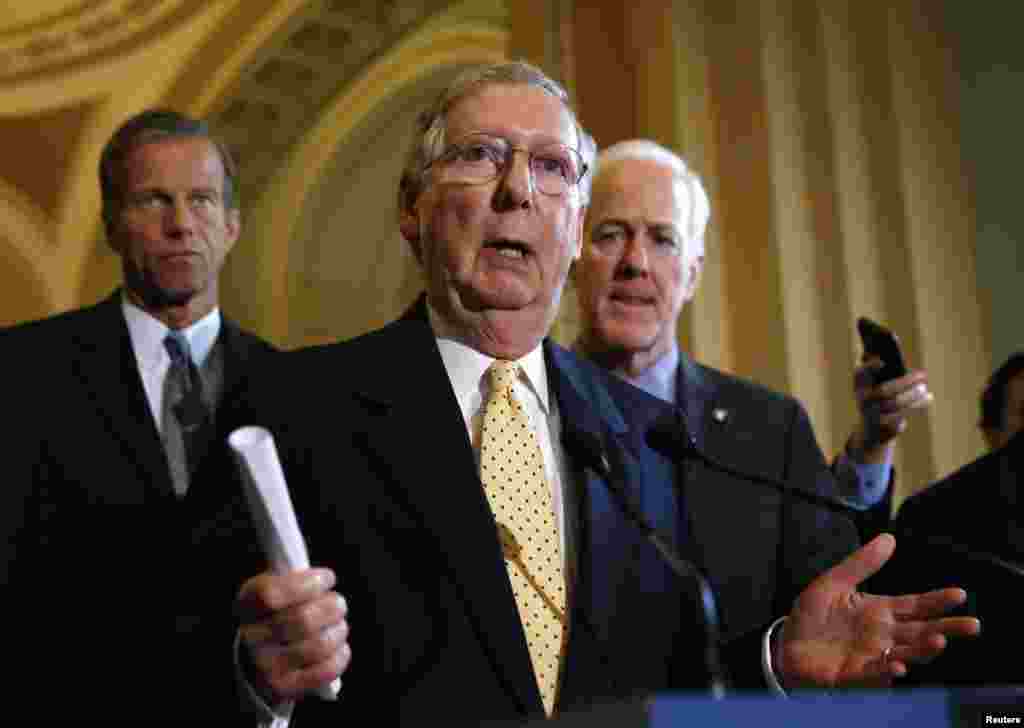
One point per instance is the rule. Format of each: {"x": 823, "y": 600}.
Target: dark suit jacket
{"x": 114, "y": 578}
{"x": 701, "y": 391}
{"x": 974, "y": 518}
{"x": 758, "y": 548}
{"x": 386, "y": 489}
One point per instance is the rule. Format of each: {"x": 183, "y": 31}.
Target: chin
{"x": 166, "y": 297}
{"x": 499, "y": 298}
{"x": 627, "y": 338}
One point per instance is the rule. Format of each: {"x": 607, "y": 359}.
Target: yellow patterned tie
{"x": 512, "y": 471}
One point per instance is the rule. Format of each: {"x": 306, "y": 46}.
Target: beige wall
{"x": 827, "y": 131}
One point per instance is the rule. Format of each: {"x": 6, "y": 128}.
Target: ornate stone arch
{"x": 301, "y": 112}
{"x": 28, "y": 254}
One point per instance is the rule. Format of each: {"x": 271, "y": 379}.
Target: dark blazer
{"x": 973, "y": 518}
{"x": 387, "y": 491}
{"x": 704, "y": 394}
{"x": 758, "y": 548}
{"x": 115, "y": 578}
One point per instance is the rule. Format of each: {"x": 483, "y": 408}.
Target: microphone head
{"x": 669, "y": 435}
{"x": 588, "y": 448}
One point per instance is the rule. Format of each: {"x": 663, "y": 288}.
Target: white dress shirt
{"x": 467, "y": 372}
{"x": 148, "y": 333}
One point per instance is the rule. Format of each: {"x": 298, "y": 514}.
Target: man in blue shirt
{"x": 642, "y": 258}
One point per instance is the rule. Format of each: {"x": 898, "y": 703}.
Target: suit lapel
{"x": 602, "y": 529}
{"x": 608, "y": 577}
{"x": 213, "y": 484}
{"x": 415, "y": 430}
{"x": 240, "y": 350}
{"x": 107, "y": 369}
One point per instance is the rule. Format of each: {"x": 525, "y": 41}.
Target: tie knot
{"x": 503, "y": 373}
{"x": 178, "y": 348}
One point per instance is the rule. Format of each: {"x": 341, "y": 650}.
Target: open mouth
{"x": 632, "y": 299}
{"x": 513, "y": 249}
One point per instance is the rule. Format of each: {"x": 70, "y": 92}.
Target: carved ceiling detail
{"x": 85, "y": 34}
{"x": 282, "y": 96}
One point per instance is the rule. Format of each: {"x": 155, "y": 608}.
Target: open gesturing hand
{"x": 836, "y": 636}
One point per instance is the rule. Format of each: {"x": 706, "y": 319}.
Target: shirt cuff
{"x": 864, "y": 484}
{"x": 277, "y": 717}
{"x": 766, "y": 659}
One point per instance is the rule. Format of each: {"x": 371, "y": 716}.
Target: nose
{"x": 180, "y": 219}
{"x": 515, "y": 184}
{"x": 634, "y": 257}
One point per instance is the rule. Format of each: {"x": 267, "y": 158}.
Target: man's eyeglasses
{"x": 479, "y": 158}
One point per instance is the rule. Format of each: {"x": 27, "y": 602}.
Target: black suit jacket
{"x": 954, "y": 533}
{"x": 386, "y": 489}
{"x": 704, "y": 394}
{"x": 758, "y": 548}
{"x": 120, "y": 586}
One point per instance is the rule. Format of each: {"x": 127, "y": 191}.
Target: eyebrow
{"x": 663, "y": 227}
{"x": 655, "y": 226}
{"x": 533, "y": 139}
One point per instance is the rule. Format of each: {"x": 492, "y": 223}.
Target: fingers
{"x": 921, "y": 632}
{"x": 915, "y": 397}
{"x": 902, "y": 392}
{"x": 927, "y": 605}
{"x": 269, "y": 592}
{"x": 889, "y": 664}
{"x": 288, "y": 671}
{"x": 295, "y": 631}
{"x": 862, "y": 563}
{"x": 922, "y": 642}
{"x": 299, "y": 621}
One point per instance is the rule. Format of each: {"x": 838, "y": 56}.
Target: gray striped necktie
{"x": 185, "y": 414}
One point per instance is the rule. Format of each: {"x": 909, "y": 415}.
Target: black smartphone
{"x": 882, "y": 343}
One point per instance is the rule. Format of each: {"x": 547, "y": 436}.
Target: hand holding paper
{"x": 271, "y": 507}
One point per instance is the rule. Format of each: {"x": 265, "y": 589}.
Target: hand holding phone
{"x": 881, "y": 342}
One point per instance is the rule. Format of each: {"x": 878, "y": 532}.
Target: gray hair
{"x": 429, "y": 139}
{"x": 700, "y": 207}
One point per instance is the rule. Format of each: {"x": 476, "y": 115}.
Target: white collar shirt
{"x": 147, "y": 335}
{"x": 467, "y": 370}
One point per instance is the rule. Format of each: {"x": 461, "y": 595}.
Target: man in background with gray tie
{"x": 115, "y": 421}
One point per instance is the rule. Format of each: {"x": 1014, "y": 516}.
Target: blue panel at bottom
{"x": 904, "y": 709}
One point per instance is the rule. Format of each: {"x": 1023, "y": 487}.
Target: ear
{"x": 692, "y": 273}
{"x": 409, "y": 225}
{"x": 581, "y": 217}
{"x": 233, "y": 227}
{"x": 109, "y": 229}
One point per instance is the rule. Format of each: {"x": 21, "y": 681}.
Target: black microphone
{"x": 670, "y": 436}
{"x": 590, "y": 450}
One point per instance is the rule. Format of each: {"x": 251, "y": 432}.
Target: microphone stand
{"x": 595, "y": 457}
{"x": 670, "y": 436}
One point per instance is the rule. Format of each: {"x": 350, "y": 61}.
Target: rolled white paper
{"x": 271, "y": 507}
